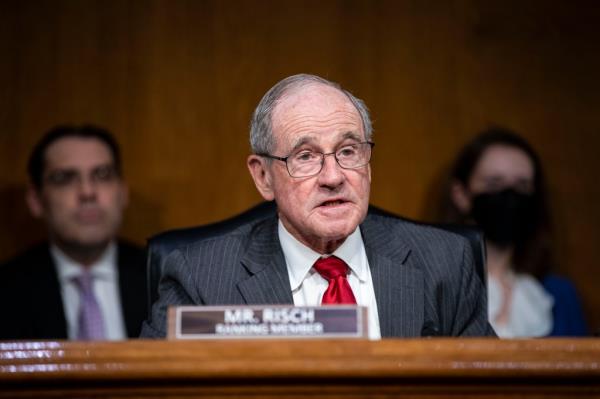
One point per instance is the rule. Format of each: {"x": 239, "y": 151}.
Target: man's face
{"x": 322, "y": 210}
{"x": 82, "y": 197}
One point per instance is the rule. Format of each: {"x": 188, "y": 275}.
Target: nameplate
{"x": 277, "y": 321}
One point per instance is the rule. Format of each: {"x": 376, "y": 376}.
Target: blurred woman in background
{"x": 497, "y": 183}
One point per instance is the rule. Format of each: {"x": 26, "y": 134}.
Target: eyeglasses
{"x": 64, "y": 178}
{"x": 307, "y": 163}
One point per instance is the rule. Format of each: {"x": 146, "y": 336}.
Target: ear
{"x": 460, "y": 197}
{"x": 261, "y": 174}
{"x": 34, "y": 202}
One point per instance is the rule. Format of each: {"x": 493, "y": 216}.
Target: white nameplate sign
{"x": 267, "y": 321}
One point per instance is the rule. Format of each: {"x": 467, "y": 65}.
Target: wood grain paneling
{"x": 430, "y": 368}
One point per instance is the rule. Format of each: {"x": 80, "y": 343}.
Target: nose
{"x": 87, "y": 189}
{"x": 331, "y": 174}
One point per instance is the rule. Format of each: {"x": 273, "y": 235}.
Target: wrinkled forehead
{"x": 315, "y": 105}
{"x": 77, "y": 153}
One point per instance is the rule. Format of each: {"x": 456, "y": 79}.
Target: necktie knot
{"x": 334, "y": 270}
{"x": 331, "y": 267}
{"x": 84, "y": 282}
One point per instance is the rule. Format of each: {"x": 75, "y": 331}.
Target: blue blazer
{"x": 567, "y": 311}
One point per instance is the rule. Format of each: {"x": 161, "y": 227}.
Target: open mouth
{"x": 333, "y": 203}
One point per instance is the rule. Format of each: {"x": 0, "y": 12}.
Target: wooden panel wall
{"x": 177, "y": 81}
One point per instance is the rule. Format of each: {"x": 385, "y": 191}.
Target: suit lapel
{"x": 398, "y": 284}
{"x": 131, "y": 288}
{"x": 268, "y": 281}
{"x": 47, "y": 303}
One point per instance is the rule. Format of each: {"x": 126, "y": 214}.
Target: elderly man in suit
{"x": 311, "y": 143}
{"x": 83, "y": 284}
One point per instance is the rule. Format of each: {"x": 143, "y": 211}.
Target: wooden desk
{"x": 424, "y": 368}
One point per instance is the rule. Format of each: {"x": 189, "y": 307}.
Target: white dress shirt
{"x": 530, "y": 313}
{"x": 307, "y": 284}
{"x": 106, "y": 289}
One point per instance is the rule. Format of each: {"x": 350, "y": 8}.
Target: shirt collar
{"x": 300, "y": 259}
{"x": 104, "y": 268}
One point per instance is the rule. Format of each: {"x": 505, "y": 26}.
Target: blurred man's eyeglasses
{"x": 307, "y": 163}
{"x": 63, "y": 178}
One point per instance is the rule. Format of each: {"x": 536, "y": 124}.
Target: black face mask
{"x": 506, "y": 217}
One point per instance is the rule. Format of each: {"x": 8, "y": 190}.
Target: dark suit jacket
{"x": 424, "y": 278}
{"x": 30, "y": 300}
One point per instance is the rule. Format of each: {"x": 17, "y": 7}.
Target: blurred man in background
{"x": 83, "y": 283}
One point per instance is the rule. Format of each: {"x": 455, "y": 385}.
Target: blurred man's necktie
{"x": 89, "y": 320}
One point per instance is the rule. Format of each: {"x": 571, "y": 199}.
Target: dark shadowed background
{"x": 176, "y": 81}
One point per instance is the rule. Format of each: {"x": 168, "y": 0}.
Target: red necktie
{"x": 334, "y": 270}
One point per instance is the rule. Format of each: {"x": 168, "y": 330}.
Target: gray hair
{"x": 262, "y": 140}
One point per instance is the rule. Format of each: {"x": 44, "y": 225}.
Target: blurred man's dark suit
{"x": 31, "y": 305}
